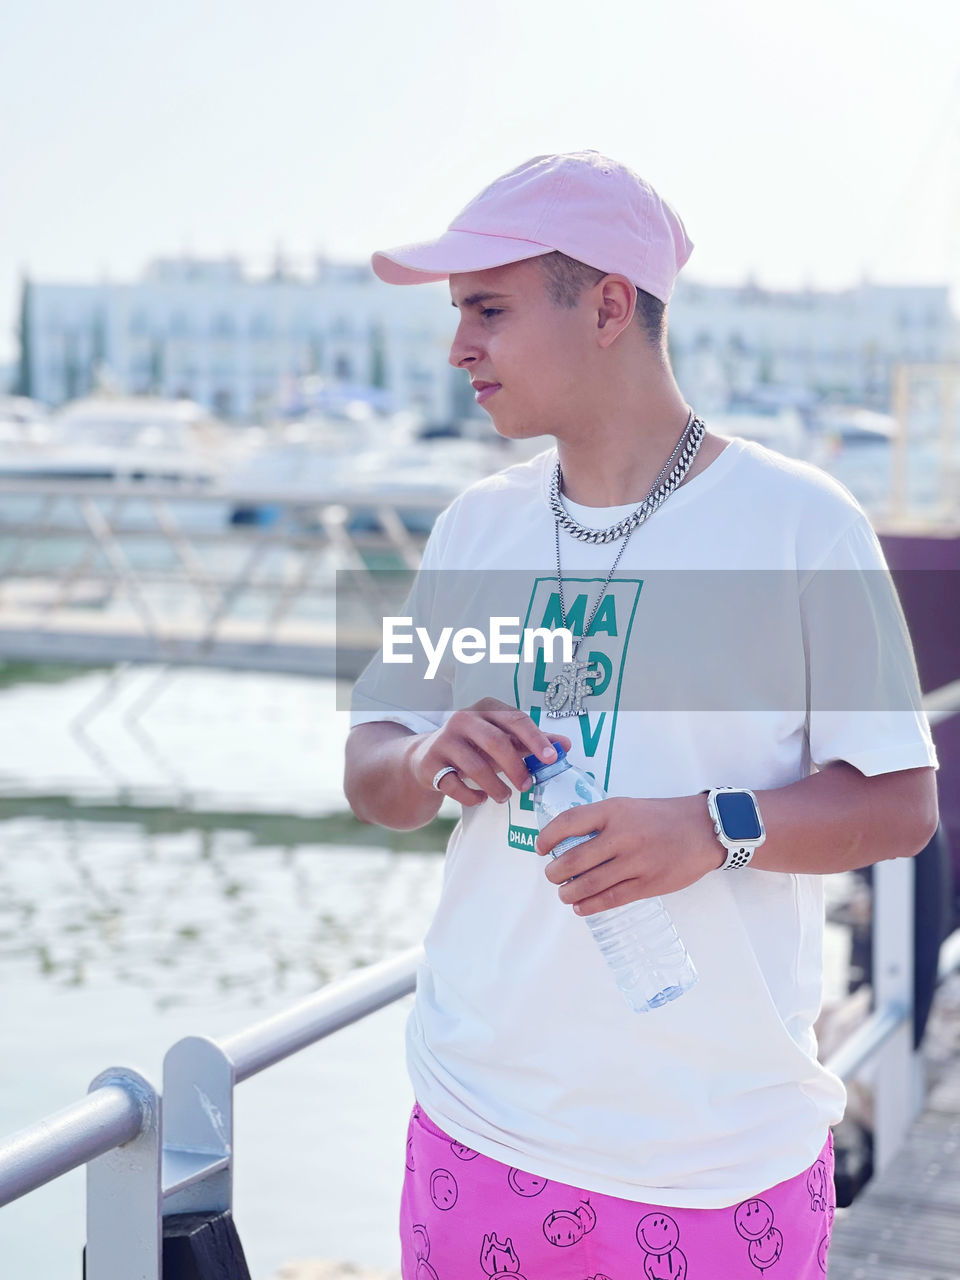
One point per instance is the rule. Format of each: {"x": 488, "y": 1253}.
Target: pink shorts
{"x": 463, "y": 1215}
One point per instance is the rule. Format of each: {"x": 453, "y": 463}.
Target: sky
{"x": 802, "y": 145}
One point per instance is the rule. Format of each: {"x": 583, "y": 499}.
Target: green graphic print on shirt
{"x": 609, "y": 638}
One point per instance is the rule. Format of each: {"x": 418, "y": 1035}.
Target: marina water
{"x": 189, "y": 872}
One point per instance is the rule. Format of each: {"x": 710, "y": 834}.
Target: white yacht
{"x": 358, "y": 461}
{"x": 122, "y": 439}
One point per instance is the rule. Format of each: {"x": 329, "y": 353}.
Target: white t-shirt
{"x": 519, "y": 1044}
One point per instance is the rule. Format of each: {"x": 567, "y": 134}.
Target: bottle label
{"x": 569, "y": 843}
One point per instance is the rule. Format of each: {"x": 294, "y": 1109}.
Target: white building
{"x": 729, "y": 341}
{"x": 237, "y": 343}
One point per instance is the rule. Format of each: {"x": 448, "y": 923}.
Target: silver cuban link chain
{"x": 686, "y": 446}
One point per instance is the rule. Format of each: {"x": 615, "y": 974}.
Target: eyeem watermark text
{"x": 470, "y": 644}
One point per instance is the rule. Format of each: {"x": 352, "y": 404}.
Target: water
{"x": 176, "y": 858}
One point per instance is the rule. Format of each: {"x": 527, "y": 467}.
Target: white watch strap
{"x": 737, "y": 857}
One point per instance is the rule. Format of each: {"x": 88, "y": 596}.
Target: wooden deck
{"x": 905, "y": 1225}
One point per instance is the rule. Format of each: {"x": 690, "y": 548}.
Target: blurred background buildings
{"x": 241, "y": 344}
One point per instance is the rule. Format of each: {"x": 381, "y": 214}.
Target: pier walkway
{"x": 905, "y": 1224}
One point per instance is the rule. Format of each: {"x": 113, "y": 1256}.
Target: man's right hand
{"x": 481, "y": 741}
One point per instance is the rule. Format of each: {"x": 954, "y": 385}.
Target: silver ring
{"x": 450, "y": 768}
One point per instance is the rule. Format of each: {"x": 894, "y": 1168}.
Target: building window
{"x": 223, "y": 325}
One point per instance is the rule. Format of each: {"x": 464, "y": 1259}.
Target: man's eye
{"x": 490, "y": 311}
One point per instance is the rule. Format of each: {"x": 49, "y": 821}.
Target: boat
{"x": 166, "y": 448}
{"x": 361, "y": 457}
{"x": 122, "y": 439}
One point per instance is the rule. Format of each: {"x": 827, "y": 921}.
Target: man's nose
{"x": 463, "y": 349}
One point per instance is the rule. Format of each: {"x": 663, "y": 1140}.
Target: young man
{"x": 556, "y": 1133}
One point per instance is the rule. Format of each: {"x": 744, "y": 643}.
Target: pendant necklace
{"x": 566, "y": 691}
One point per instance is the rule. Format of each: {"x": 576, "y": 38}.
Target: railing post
{"x": 123, "y": 1193}
{"x": 198, "y": 1080}
{"x": 200, "y": 1240}
{"x": 896, "y": 1094}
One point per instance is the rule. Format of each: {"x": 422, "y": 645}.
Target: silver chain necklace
{"x": 566, "y": 691}
{"x": 687, "y": 446}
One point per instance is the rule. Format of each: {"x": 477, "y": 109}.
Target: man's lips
{"x": 484, "y": 390}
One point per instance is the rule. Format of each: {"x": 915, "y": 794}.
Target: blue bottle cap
{"x": 533, "y": 763}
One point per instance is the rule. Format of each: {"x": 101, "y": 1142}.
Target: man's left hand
{"x": 643, "y": 848}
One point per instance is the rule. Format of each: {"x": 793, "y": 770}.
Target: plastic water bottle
{"x": 639, "y": 940}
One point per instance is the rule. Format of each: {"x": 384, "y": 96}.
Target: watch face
{"x": 738, "y": 815}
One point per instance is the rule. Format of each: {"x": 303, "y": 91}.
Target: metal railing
{"x": 884, "y": 1040}
{"x": 113, "y": 572}
{"x": 151, "y": 1153}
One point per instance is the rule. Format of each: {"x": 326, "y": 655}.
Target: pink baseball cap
{"x": 586, "y": 205}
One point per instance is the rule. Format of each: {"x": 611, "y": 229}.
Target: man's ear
{"x": 616, "y": 304}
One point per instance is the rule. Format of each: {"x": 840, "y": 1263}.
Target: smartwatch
{"x": 737, "y": 823}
